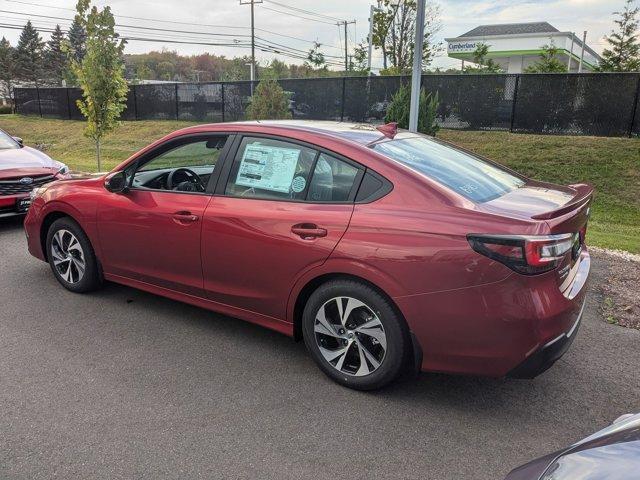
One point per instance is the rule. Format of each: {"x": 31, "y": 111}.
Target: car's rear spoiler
{"x": 584, "y": 192}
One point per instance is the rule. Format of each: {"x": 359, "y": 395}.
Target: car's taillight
{"x": 527, "y": 254}
{"x": 583, "y": 233}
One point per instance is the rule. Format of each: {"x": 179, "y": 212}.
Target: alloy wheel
{"x": 68, "y": 257}
{"x": 350, "y": 336}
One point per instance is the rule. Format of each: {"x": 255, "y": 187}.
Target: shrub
{"x": 398, "y": 110}
{"x": 5, "y": 109}
{"x": 269, "y": 102}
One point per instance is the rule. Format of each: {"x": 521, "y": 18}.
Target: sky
{"x": 228, "y": 22}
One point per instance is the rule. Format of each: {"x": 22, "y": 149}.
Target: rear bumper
{"x": 546, "y": 356}
{"x": 518, "y": 326}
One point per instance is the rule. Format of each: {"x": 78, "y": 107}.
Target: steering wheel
{"x": 183, "y": 179}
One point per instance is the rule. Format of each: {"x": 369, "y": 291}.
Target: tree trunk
{"x": 98, "y": 153}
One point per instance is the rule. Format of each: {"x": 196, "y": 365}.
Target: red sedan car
{"x": 21, "y": 170}
{"x": 381, "y": 249}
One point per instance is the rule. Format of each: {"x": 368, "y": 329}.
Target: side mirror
{"x": 19, "y": 140}
{"x": 116, "y": 182}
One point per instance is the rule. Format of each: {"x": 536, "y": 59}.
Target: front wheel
{"x": 71, "y": 257}
{"x": 354, "y": 335}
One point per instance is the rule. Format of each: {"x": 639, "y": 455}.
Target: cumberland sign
{"x": 463, "y": 47}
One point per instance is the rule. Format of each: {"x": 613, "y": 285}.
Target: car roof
{"x": 360, "y": 133}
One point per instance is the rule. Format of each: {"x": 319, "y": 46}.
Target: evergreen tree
{"x": 77, "y": 40}
{"x": 623, "y": 54}
{"x": 29, "y": 55}
{"x": 399, "y": 110}
{"x": 7, "y": 67}
{"x": 55, "y": 57}
{"x": 269, "y": 102}
{"x": 548, "y": 62}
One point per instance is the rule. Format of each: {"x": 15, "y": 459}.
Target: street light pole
{"x": 570, "y": 53}
{"x": 416, "y": 77}
{"x": 584, "y": 40}
{"x": 372, "y": 11}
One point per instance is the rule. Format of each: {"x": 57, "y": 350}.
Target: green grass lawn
{"x": 612, "y": 165}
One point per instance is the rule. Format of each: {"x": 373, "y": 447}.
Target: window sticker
{"x": 267, "y": 167}
{"x": 298, "y": 184}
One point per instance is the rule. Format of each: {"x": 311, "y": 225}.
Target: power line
{"x": 127, "y": 26}
{"x": 128, "y": 37}
{"x": 164, "y": 30}
{"x": 132, "y": 35}
{"x": 294, "y": 49}
{"x": 302, "y": 10}
{"x": 298, "y": 16}
{"x": 176, "y": 22}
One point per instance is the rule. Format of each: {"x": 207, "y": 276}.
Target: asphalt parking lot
{"x": 124, "y": 384}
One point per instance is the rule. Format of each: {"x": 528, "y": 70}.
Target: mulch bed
{"x": 621, "y": 289}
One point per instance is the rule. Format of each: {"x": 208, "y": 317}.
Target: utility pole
{"x": 584, "y": 40}
{"x": 253, "y": 40}
{"x": 573, "y": 34}
{"x": 416, "y": 77}
{"x": 346, "y": 45}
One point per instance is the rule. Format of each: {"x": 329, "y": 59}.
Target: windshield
{"x": 463, "y": 173}
{"x": 7, "y": 142}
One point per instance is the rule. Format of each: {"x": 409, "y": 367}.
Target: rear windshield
{"x": 465, "y": 174}
{"x": 7, "y": 142}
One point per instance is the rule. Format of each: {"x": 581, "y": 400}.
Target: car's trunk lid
{"x": 564, "y": 209}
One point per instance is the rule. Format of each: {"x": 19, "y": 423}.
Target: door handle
{"x": 185, "y": 217}
{"x": 308, "y": 231}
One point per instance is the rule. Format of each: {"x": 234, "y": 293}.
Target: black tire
{"x": 396, "y": 334}
{"x": 91, "y": 278}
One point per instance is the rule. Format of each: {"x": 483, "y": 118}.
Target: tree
{"x": 276, "y": 69}
{"x": 548, "y": 62}
{"x": 237, "y": 70}
{"x": 315, "y": 58}
{"x": 100, "y": 73}
{"x": 29, "y": 54}
{"x": 483, "y": 65}
{"x": 399, "y": 110}
{"x": 75, "y": 47}
{"x": 394, "y": 26}
{"x": 269, "y": 102}
{"x": 623, "y": 54}
{"x": 358, "y": 64}
{"x": 7, "y": 67}
{"x": 55, "y": 57}
{"x": 166, "y": 71}
{"x": 77, "y": 40}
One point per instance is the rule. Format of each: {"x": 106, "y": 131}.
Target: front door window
{"x": 185, "y": 168}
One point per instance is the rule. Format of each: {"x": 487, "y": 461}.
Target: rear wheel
{"x": 354, "y": 335}
{"x": 71, "y": 257}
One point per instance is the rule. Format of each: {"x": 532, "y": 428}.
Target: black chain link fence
{"x": 604, "y": 104}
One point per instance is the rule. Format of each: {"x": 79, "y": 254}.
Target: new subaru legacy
{"x": 383, "y": 250}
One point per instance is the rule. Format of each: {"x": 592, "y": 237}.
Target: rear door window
{"x": 332, "y": 180}
{"x": 271, "y": 169}
{"x": 463, "y": 173}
